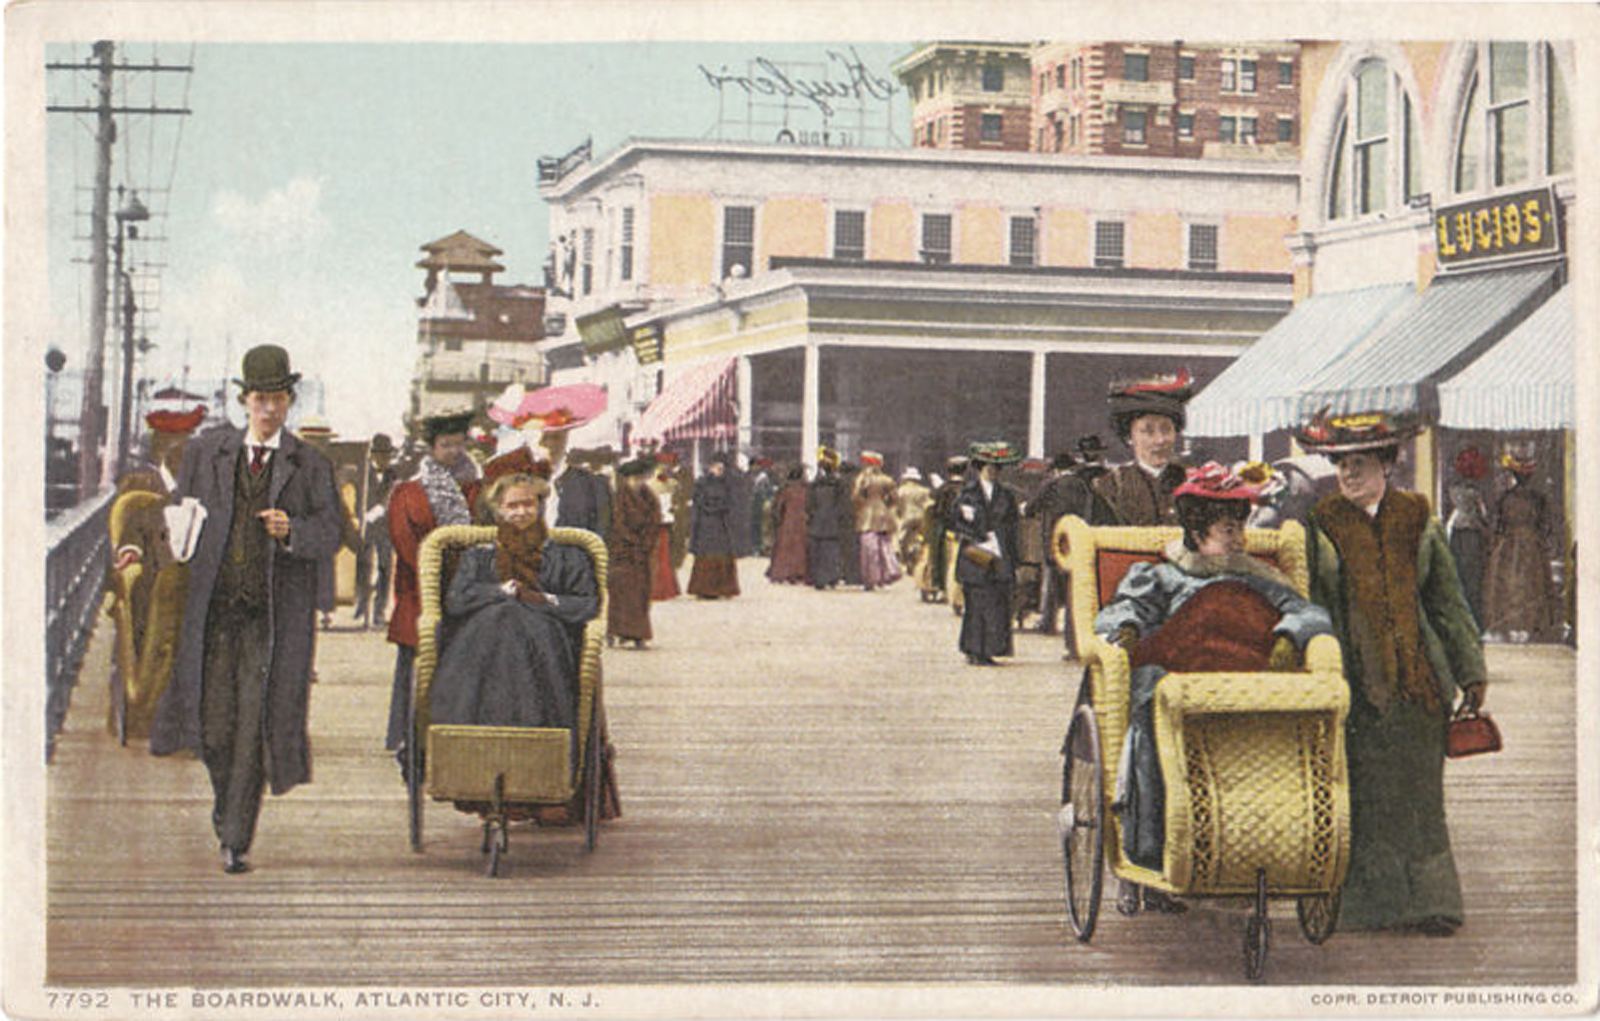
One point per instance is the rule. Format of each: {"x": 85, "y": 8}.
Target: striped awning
{"x": 1444, "y": 329}
{"x": 1523, "y": 382}
{"x": 699, "y": 404}
{"x": 1260, "y": 391}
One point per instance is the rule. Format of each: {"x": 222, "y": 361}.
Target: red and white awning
{"x": 701, "y": 403}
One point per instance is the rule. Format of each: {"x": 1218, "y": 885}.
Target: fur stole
{"x": 1202, "y": 566}
{"x": 443, "y": 490}
{"x": 518, "y": 554}
{"x": 1378, "y": 562}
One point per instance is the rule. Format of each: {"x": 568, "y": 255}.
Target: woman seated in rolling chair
{"x": 514, "y": 617}
{"x": 1207, "y": 605}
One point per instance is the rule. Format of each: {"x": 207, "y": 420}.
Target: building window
{"x": 1061, "y": 76}
{"x": 738, "y": 239}
{"x": 850, "y": 234}
{"x": 989, "y": 127}
{"x": 588, "y": 260}
{"x": 1228, "y": 129}
{"x": 1186, "y": 125}
{"x": 452, "y": 343}
{"x": 1077, "y": 72}
{"x": 1247, "y": 76}
{"x": 1136, "y": 67}
{"x": 1072, "y": 131}
{"x": 1133, "y": 126}
{"x": 936, "y": 246}
{"x": 1285, "y": 72}
{"x": 1059, "y": 132}
{"x": 994, "y": 78}
{"x": 1375, "y": 158}
{"x": 1517, "y": 124}
{"x": 1108, "y": 237}
{"x": 1023, "y": 236}
{"x": 1186, "y": 69}
{"x": 1285, "y": 129}
{"x": 1229, "y": 76}
{"x": 1203, "y": 246}
{"x": 1247, "y": 130}
{"x": 626, "y": 254}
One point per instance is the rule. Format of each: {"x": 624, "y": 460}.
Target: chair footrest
{"x": 463, "y": 762}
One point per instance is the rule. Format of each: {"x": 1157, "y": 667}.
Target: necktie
{"x": 258, "y": 459}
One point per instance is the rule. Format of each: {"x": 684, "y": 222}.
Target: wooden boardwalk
{"x": 816, "y": 788}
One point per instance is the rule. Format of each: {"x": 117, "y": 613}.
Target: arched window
{"x": 1516, "y": 122}
{"x": 1377, "y": 164}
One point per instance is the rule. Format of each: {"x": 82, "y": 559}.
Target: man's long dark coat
{"x": 302, "y": 486}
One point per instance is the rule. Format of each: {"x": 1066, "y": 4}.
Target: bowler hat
{"x": 1090, "y": 448}
{"x": 382, "y": 444}
{"x": 266, "y": 370}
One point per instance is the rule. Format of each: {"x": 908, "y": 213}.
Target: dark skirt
{"x": 986, "y": 620}
{"x": 824, "y": 563}
{"x": 714, "y": 575}
{"x": 1401, "y": 869}
{"x": 628, "y": 601}
{"x": 663, "y": 579}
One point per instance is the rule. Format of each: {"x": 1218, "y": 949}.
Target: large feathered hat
{"x": 1346, "y": 434}
{"x": 1131, "y": 399}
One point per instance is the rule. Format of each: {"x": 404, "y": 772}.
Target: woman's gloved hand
{"x": 1284, "y": 655}
{"x": 1128, "y": 637}
{"x": 1472, "y": 698}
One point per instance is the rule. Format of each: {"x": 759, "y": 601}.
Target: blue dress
{"x": 1149, "y": 595}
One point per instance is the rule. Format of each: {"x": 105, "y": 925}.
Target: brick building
{"x": 968, "y": 95}
{"x": 1189, "y": 100}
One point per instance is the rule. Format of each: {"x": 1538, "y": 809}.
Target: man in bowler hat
{"x": 240, "y": 690}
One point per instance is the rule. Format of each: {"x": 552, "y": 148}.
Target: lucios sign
{"x": 778, "y": 98}
{"x": 1506, "y": 225}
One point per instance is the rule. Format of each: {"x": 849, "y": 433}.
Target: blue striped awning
{"x": 1446, "y": 327}
{"x": 1523, "y": 382}
{"x": 1260, "y": 391}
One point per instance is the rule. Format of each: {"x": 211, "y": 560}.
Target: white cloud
{"x": 283, "y": 217}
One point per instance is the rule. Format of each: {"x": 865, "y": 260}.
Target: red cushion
{"x": 1225, "y": 626}
{"x": 1112, "y": 564}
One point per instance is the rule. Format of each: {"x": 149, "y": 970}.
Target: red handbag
{"x": 1472, "y": 733}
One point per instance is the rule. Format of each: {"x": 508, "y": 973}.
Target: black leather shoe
{"x": 1436, "y": 926}
{"x": 1127, "y": 898}
{"x": 1156, "y": 900}
{"x": 233, "y": 862}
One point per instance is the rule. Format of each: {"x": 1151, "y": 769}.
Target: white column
{"x": 1258, "y": 447}
{"x": 810, "y": 433}
{"x": 1036, "y": 407}
{"x": 743, "y": 383}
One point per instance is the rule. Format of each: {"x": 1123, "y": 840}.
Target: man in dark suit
{"x": 986, "y": 521}
{"x": 240, "y": 690}
{"x": 584, "y": 495}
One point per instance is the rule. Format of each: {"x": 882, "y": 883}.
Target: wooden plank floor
{"x": 816, "y": 788}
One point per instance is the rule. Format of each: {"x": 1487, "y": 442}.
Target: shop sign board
{"x": 1523, "y": 223}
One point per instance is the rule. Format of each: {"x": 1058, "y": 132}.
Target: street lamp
{"x": 132, "y": 212}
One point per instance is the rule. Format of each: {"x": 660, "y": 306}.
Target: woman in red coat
{"x": 789, "y": 530}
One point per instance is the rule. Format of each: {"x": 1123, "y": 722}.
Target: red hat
{"x": 515, "y": 462}
{"x": 666, "y": 457}
{"x": 1471, "y": 464}
{"x": 175, "y": 421}
{"x": 1212, "y": 481}
{"x": 872, "y": 457}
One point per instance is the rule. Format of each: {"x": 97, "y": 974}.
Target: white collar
{"x": 273, "y": 443}
{"x": 1152, "y": 472}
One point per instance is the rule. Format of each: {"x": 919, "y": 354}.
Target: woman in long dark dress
{"x": 789, "y": 531}
{"x": 635, "y": 530}
{"x": 516, "y": 611}
{"x": 824, "y": 559}
{"x": 715, "y": 573}
{"x": 985, "y": 519}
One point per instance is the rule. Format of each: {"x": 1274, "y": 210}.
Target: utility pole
{"x": 93, "y": 419}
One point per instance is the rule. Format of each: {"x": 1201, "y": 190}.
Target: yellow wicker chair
{"x": 1257, "y": 796}
{"x": 506, "y": 773}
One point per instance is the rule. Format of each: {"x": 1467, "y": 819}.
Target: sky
{"x": 308, "y": 175}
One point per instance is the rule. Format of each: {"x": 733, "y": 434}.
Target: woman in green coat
{"x": 1382, "y": 566}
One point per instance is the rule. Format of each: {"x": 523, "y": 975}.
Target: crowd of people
{"x": 239, "y": 566}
